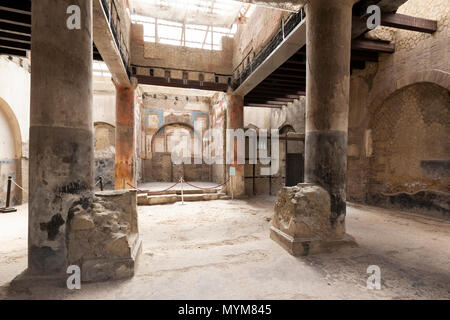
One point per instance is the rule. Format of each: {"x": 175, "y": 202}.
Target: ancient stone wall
{"x": 398, "y": 127}
{"x": 252, "y": 36}
{"x": 193, "y": 60}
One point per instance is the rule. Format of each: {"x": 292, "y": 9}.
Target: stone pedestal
{"x": 301, "y": 223}
{"x": 104, "y": 239}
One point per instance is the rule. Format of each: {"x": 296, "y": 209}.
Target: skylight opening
{"x": 176, "y": 22}
{"x": 100, "y": 69}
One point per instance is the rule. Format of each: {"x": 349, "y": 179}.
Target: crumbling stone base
{"x": 302, "y": 222}
{"x": 103, "y": 240}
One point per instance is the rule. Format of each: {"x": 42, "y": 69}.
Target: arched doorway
{"x": 177, "y": 138}
{"x": 105, "y": 153}
{"x": 10, "y": 154}
{"x": 410, "y": 161}
{"x": 294, "y": 160}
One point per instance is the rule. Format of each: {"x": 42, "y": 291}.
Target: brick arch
{"x": 435, "y": 76}
{"x": 180, "y": 124}
{"x": 402, "y": 137}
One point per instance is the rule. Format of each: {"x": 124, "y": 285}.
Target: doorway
{"x": 295, "y": 164}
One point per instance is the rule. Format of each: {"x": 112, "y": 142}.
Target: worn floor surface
{"x": 221, "y": 250}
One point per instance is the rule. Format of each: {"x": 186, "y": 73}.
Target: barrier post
{"x": 182, "y": 191}
{"x": 101, "y": 183}
{"x": 8, "y": 198}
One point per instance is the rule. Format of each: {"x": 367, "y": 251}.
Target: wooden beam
{"x": 364, "y": 56}
{"x": 264, "y": 101}
{"x": 257, "y": 105}
{"x": 14, "y": 37}
{"x": 15, "y": 45}
{"x": 274, "y": 90}
{"x": 13, "y": 52}
{"x": 401, "y": 21}
{"x": 267, "y": 98}
{"x": 279, "y": 96}
{"x": 291, "y": 68}
{"x": 282, "y": 81}
{"x": 373, "y": 46}
{"x": 15, "y": 17}
{"x": 179, "y": 83}
{"x": 298, "y": 75}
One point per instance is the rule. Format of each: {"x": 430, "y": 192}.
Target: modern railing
{"x": 286, "y": 28}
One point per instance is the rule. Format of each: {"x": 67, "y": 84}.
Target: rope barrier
{"x": 194, "y": 186}
{"x": 207, "y": 188}
{"x": 135, "y": 188}
{"x": 164, "y": 189}
{"x": 18, "y": 186}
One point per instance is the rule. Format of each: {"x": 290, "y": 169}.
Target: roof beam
{"x": 14, "y": 28}
{"x": 268, "y": 98}
{"x": 262, "y": 105}
{"x": 180, "y": 83}
{"x": 264, "y": 101}
{"x": 14, "y": 17}
{"x": 14, "y": 37}
{"x": 13, "y": 52}
{"x": 15, "y": 45}
{"x": 401, "y": 21}
{"x": 373, "y": 46}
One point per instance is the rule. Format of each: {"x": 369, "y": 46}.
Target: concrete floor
{"x": 221, "y": 250}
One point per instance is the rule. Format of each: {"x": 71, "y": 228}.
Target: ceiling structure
{"x": 15, "y": 28}
{"x": 180, "y": 91}
{"x": 217, "y": 13}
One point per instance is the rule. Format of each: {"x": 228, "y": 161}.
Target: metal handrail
{"x": 287, "y": 27}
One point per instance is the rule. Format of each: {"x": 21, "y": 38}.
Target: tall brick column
{"x": 125, "y": 145}
{"x": 235, "y": 119}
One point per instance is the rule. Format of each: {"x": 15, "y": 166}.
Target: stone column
{"x": 61, "y": 131}
{"x": 235, "y": 120}
{"x": 125, "y": 146}
{"x": 327, "y": 100}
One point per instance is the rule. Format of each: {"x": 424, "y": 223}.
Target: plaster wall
{"x": 166, "y": 114}
{"x": 14, "y": 124}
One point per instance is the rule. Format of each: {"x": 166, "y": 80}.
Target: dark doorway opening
{"x": 295, "y": 164}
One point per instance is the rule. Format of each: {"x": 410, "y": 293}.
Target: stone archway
{"x": 409, "y": 166}
{"x": 10, "y": 153}
{"x": 161, "y": 131}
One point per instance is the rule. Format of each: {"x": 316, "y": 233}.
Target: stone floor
{"x": 221, "y": 250}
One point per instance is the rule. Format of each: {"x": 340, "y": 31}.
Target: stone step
{"x": 172, "y": 198}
